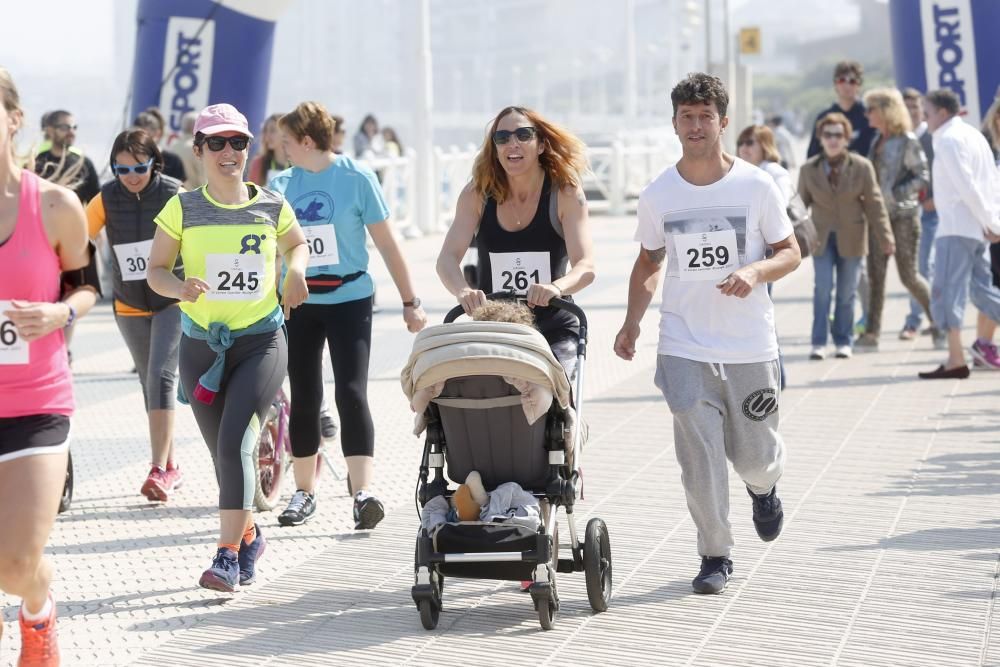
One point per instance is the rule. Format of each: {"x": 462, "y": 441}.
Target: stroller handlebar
{"x": 560, "y": 303}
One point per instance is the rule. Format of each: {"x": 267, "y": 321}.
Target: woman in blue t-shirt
{"x": 335, "y": 200}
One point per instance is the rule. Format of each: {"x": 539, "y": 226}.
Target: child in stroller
{"x": 493, "y": 399}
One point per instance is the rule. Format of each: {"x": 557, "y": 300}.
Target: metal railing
{"x": 618, "y": 174}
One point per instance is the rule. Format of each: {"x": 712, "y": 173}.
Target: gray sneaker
{"x": 713, "y": 576}
{"x": 300, "y": 509}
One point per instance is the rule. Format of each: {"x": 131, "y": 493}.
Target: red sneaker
{"x": 39, "y": 641}
{"x": 174, "y": 477}
{"x": 157, "y": 486}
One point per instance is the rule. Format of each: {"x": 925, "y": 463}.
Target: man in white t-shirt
{"x": 966, "y": 183}
{"x": 713, "y": 217}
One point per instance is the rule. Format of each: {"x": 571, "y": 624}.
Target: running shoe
{"x": 249, "y": 555}
{"x": 843, "y": 352}
{"x": 39, "y": 640}
{"x": 713, "y": 576}
{"x": 327, "y": 427}
{"x": 300, "y": 509}
{"x": 818, "y": 353}
{"x": 984, "y": 354}
{"x": 224, "y": 573}
{"x": 157, "y": 485}
{"x": 768, "y": 516}
{"x": 908, "y": 333}
{"x": 368, "y": 511}
{"x": 175, "y": 479}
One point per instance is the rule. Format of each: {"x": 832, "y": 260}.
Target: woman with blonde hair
{"x": 901, "y": 167}
{"x": 526, "y": 209}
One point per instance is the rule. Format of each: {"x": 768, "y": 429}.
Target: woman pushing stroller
{"x": 526, "y": 209}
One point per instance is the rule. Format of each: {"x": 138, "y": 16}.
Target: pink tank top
{"x": 35, "y": 380}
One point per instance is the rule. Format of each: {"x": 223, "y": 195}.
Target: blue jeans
{"x": 847, "y": 270}
{"x": 925, "y": 263}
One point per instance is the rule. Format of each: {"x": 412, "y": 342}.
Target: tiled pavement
{"x": 889, "y": 555}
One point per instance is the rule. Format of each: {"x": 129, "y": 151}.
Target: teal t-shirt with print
{"x": 333, "y": 207}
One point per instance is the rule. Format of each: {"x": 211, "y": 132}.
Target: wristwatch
{"x": 414, "y": 303}
{"x": 72, "y": 316}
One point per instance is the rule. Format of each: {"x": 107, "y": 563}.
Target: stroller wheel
{"x": 547, "y": 613}
{"x": 429, "y": 614}
{"x": 597, "y": 564}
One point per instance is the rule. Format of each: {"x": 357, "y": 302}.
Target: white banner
{"x": 950, "y": 51}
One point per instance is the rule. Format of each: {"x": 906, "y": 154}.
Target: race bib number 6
{"x": 322, "y": 242}
{"x": 234, "y": 277}
{"x": 133, "y": 259}
{"x": 706, "y": 255}
{"x": 13, "y": 349}
{"x": 516, "y": 271}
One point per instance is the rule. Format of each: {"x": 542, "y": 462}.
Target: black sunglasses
{"x": 746, "y": 142}
{"x": 848, "y": 79}
{"x": 833, "y": 135}
{"x": 140, "y": 169}
{"x": 66, "y": 127}
{"x": 522, "y": 134}
{"x": 216, "y": 144}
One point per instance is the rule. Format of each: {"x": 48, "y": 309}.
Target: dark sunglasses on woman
{"x": 123, "y": 170}
{"x": 522, "y": 134}
{"x": 216, "y": 144}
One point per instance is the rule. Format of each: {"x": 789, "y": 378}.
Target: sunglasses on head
{"x": 848, "y": 79}
{"x": 522, "y": 134}
{"x": 832, "y": 135}
{"x": 746, "y": 142}
{"x": 216, "y": 144}
{"x": 123, "y": 170}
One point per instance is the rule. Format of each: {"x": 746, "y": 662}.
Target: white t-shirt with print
{"x": 716, "y": 228}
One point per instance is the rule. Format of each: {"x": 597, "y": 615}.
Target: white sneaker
{"x": 818, "y": 354}
{"x": 843, "y": 352}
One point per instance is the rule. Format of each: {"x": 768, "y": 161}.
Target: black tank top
{"x": 523, "y": 257}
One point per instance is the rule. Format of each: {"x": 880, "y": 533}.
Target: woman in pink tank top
{"x": 43, "y": 233}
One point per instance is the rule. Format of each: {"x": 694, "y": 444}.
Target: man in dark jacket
{"x": 847, "y": 79}
{"x": 64, "y": 164}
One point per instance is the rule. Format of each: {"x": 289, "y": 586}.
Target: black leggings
{"x": 347, "y": 329}
{"x": 255, "y": 367}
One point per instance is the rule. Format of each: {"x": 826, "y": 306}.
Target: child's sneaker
{"x": 39, "y": 640}
{"x": 368, "y": 511}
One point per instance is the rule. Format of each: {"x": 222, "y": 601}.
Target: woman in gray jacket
{"x": 902, "y": 173}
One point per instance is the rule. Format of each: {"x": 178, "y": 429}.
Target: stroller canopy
{"x": 463, "y": 349}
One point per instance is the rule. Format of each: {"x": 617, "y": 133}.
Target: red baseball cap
{"x": 217, "y": 118}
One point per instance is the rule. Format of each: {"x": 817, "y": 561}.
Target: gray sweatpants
{"x": 722, "y": 411}
{"x": 154, "y": 341}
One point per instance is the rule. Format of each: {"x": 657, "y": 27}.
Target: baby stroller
{"x": 472, "y": 384}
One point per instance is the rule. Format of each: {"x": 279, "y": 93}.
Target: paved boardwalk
{"x": 889, "y": 555}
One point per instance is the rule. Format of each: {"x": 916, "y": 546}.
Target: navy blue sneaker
{"x": 768, "y": 516}
{"x": 713, "y": 576}
{"x": 249, "y": 554}
{"x": 223, "y": 574}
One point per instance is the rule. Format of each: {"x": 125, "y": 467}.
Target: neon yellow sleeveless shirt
{"x": 232, "y": 247}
